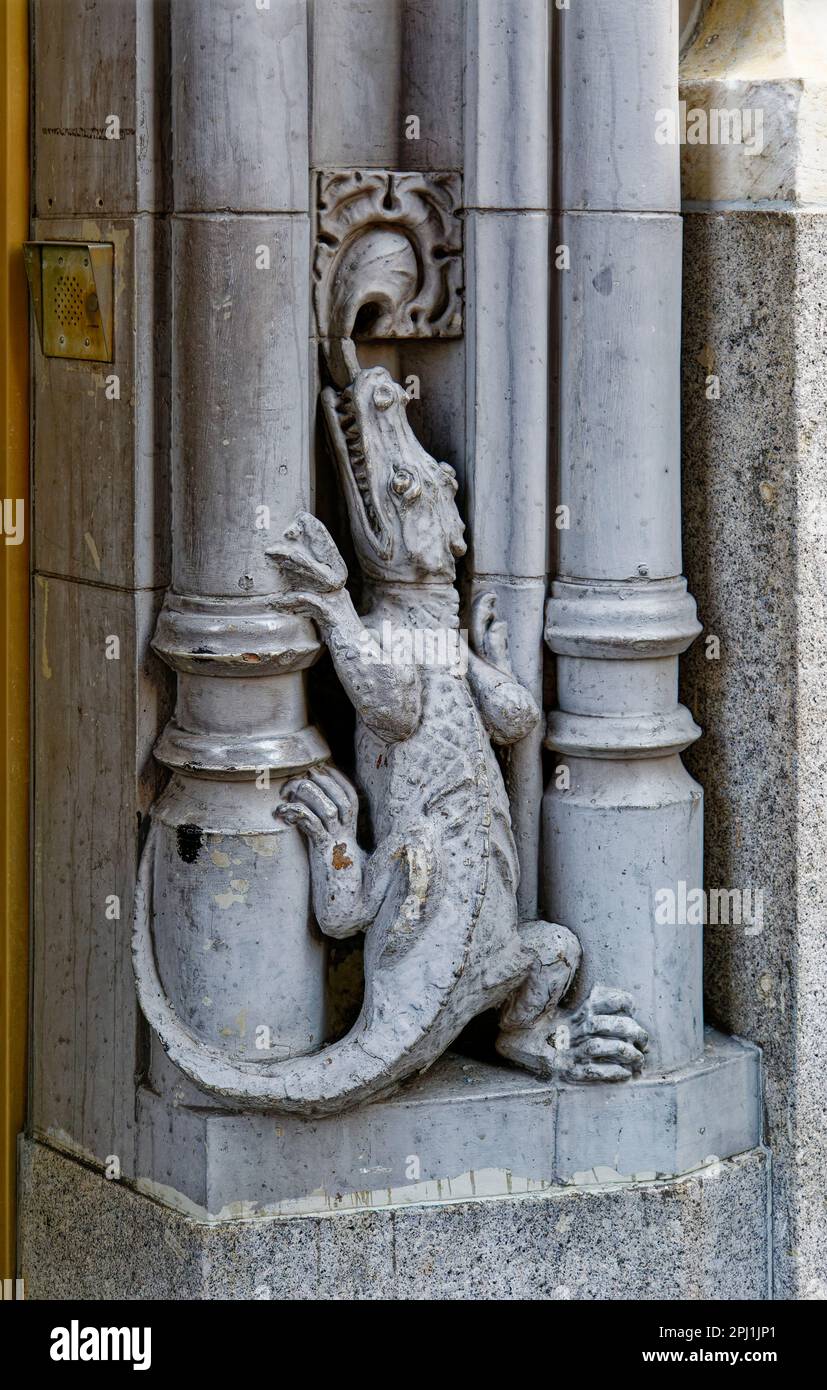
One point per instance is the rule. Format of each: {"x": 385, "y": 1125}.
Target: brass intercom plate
{"x": 73, "y": 297}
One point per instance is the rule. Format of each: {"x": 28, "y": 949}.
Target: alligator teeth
{"x": 353, "y": 440}
{"x": 360, "y": 478}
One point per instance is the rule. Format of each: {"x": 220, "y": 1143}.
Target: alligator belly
{"x": 446, "y": 769}
{"x": 446, "y": 774}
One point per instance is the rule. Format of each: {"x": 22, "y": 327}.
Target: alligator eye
{"x": 405, "y": 485}
{"x": 383, "y": 396}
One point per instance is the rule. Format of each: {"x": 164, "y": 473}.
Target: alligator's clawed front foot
{"x": 508, "y": 710}
{"x": 598, "y": 1041}
{"x": 310, "y": 562}
{"x": 324, "y": 806}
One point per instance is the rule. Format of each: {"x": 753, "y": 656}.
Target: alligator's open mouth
{"x": 348, "y": 442}
{"x": 352, "y": 435}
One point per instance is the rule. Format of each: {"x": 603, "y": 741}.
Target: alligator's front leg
{"x": 508, "y": 710}
{"x": 386, "y": 693}
{"x": 323, "y": 804}
{"x": 350, "y": 886}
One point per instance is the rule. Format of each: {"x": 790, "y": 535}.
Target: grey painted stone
{"x": 387, "y": 244}
{"x": 101, "y": 465}
{"x": 239, "y": 436}
{"x": 701, "y": 1238}
{"x": 432, "y": 74}
{"x": 227, "y": 889}
{"x": 507, "y": 139}
{"x": 101, "y": 517}
{"x": 756, "y": 537}
{"x": 622, "y": 831}
{"x": 360, "y": 105}
{"x": 464, "y": 1129}
{"x": 617, "y": 65}
{"x": 507, "y": 136}
{"x": 443, "y": 940}
{"x": 520, "y": 604}
{"x": 670, "y": 1122}
{"x": 619, "y": 416}
{"x": 434, "y": 370}
{"x": 95, "y": 59}
{"x": 507, "y": 104}
{"x": 231, "y": 965}
{"x": 622, "y": 818}
{"x": 437, "y": 416}
{"x": 507, "y": 429}
{"x": 94, "y": 724}
{"x": 239, "y": 106}
{"x": 241, "y": 379}
{"x": 507, "y": 390}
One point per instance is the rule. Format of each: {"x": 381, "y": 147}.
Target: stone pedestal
{"x": 472, "y": 1182}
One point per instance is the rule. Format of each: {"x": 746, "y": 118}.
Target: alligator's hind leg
{"x": 599, "y": 1041}
{"x": 528, "y": 1016}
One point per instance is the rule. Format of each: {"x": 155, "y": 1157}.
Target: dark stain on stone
{"x": 603, "y": 280}
{"x": 189, "y": 842}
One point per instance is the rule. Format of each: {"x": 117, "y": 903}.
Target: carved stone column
{"x": 235, "y": 952}
{"x": 507, "y": 198}
{"x": 622, "y": 816}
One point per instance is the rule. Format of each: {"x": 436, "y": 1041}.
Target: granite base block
{"x": 700, "y": 1237}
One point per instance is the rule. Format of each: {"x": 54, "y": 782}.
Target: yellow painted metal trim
{"x": 14, "y": 605}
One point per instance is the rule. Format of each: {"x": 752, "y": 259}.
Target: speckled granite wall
{"x": 755, "y": 528}
{"x": 703, "y": 1237}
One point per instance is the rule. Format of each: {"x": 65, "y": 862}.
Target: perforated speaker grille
{"x": 68, "y": 301}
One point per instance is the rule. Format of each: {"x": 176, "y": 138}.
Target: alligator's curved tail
{"x": 387, "y": 1043}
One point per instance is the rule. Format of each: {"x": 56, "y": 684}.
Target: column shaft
{"x": 622, "y": 816}
{"x": 238, "y": 956}
{"x": 507, "y": 257}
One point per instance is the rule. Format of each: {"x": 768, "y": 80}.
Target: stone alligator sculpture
{"x": 436, "y": 898}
